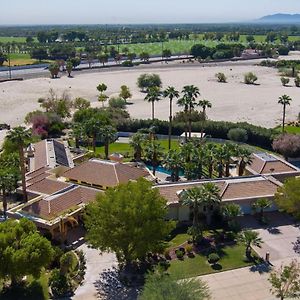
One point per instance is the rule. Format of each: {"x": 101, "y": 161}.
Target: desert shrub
{"x": 284, "y": 81}
{"x": 287, "y": 145}
{"x": 116, "y": 102}
{"x": 250, "y": 78}
{"x": 221, "y": 77}
{"x": 297, "y": 81}
{"x": 213, "y": 258}
{"x": 238, "y": 135}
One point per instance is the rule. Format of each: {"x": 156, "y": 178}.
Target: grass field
{"x": 10, "y": 39}
{"x": 289, "y": 129}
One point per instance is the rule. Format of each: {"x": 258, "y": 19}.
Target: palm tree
{"x": 284, "y": 101}
{"x": 20, "y": 136}
{"x": 173, "y": 162}
{"x": 229, "y": 150}
{"x": 107, "y": 135}
{"x": 78, "y": 133}
{"x": 206, "y": 196}
{"x": 153, "y": 94}
{"x": 245, "y": 158}
{"x": 230, "y": 212}
{"x": 210, "y": 158}
{"x": 92, "y": 127}
{"x": 171, "y": 93}
{"x": 137, "y": 141}
{"x": 250, "y": 238}
{"x": 220, "y": 157}
{"x": 153, "y": 153}
{"x": 184, "y": 102}
{"x": 204, "y": 104}
{"x": 191, "y": 93}
{"x": 261, "y": 205}
{"x": 8, "y": 182}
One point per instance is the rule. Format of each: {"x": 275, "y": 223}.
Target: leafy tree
{"x": 238, "y": 135}
{"x": 107, "y": 135}
{"x": 75, "y": 61}
{"x": 288, "y": 145}
{"x": 128, "y": 220}
{"x": 67, "y": 261}
{"x": 103, "y": 58}
{"x": 3, "y": 58}
{"x": 170, "y": 93}
{"x": 250, "y": 78}
{"x": 137, "y": 141}
{"x": 29, "y": 40}
{"x": 144, "y": 56}
{"x": 250, "y": 238}
{"x": 271, "y": 36}
{"x": 78, "y": 133}
{"x": 166, "y": 53}
{"x": 59, "y": 283}
{"x": 102, "y": 87}
{"x": 284, "y": 101}
{"x": 287, "y": 197}
{"x": 23, "y": 250}
{"x": 153, "y": 95}
{"x": 69, "y": 68}
{"x": 116, "y": 102}
{"x": 261, "y": 205}
{"x": 125, "y": 93}
{"x": 147, "y": 81}
{"x": 54, "y": 70}
{"x": 201, "y": 51}
{"x": 250, "y": 38}
{"x": 159, "y": 286}
{"x": 39, "y": 53}
{"x": 285, "y": 281}
{"x": 20, "y": 137}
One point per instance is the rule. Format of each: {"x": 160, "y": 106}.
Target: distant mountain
{"x": 280, "y": 18}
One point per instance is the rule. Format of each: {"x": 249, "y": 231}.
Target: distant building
{"x": 251, "y": 53}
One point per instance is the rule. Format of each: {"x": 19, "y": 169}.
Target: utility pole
{"x": 9, "y": 64}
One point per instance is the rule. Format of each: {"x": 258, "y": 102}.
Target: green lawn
{"x": 232, "y": 257}
{"x": 10, "y": 39}
{"x": 289, "y": 129}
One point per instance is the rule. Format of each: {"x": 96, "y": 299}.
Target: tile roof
{"x": 104, "y": 173}
{"x": 47, "y": 186}
{"x": 263, "y": 163}
{"x": 52, "y": 206}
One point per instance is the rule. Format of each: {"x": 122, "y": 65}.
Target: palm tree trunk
{"x": 190, "y": 123}
{"x": 186, "y": 125}
{"x": 23, "y": 172}
{"x": 210, "y": 170}
{"x": 170, "y": 123}
{"x": 283, "y": 119}
{"x": 195, "y": 217}
{"x": 152, "y": 110}
{"x": 4, "y": 203}
{"x": 94, "y": 143}
{"x": 106, "y": 150}
{"x": 227, "y": 173}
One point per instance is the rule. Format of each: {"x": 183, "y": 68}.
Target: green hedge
{"x": 257, "y": 135}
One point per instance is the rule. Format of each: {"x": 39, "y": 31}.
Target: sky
{"x": 139, "y": 11}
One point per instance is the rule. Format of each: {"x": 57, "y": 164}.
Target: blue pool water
{"x": 163, "y": 170}
{"x": 296, "y": 163}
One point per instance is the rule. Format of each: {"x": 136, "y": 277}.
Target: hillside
{"x": 281, "y": 18}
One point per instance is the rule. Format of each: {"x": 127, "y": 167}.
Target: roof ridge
{"x": 225, "y": 188}
{"x": 261, "y": 169}
{"x": 116, "y": 173}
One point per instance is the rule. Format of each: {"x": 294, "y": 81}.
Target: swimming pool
{"x": 164, "y": 170}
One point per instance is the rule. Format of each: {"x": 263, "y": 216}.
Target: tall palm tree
{"x": 171, "y": 93}
{"x": 250, "y": 238}
{"x": 107, "y": 135}
{"x": 230, "y": 212}
{"x": 284, "y": 101}
{"x": 153, "y": 95}
{"x": 261, "y": 205}
{"x": 220, "y": 157}
{"x": 191, "y": 93}
{"x": 210, "y": 158}
{"x": 153, "y": 153}
{"x": 92, "y": 127}
{"x": 205, "y": 196}
{"x": 245, "y": 159}
{"x": 173, "y": 162}
{"x": 20, "y": 136}
{"x": 184, "y": 102}
{"x": 229, "y": 150}
{"x": 137, "y": 141}
{"x": 78, "y": 133}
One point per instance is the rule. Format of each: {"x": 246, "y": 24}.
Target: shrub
{"x": 164, "y": 264}
{"x": 221, "y": 77}
{"x": 146, "y": 81}
{"x": 127, "y": 63}
{"x": 59, "y": 283}
{"x": 287, "y": 145}
{"x": 283, "y": 50}
{"x": 116, "y": 102}
{"x": 284, "y": 81}
{"x": 238, "y": 135}
{"x": 189, "y": 248}
{"x": 297, "y": 81}
{"x": 213, "y": 258}
{"x": 54, "y": 70}
{"x": 167, "y": 254}
{"x": 179, "y": 254}
{"x": 250, "y": 78}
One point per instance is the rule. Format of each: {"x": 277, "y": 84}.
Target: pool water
{"x": 163, "y": 170}
{"x": 296, "y": 163}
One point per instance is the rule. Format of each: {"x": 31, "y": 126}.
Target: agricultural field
{"x": 11, "y": 39}
{"x": 20, "y": 59}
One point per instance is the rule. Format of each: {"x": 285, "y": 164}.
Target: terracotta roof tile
{"x": 53, "y": 206}
{"x": 48, "y": 186}
{"x": 107, "y": 174}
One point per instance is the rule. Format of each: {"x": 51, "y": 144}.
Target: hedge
{"x": 258, "y": 136}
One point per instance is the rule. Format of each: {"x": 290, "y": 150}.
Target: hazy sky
{"x": 139, "y": 11}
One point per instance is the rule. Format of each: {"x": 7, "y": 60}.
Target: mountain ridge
{"x": 280, "y": 18}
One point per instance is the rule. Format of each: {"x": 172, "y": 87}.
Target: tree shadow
{"x": 261, "y": 268}
{"x": 216, "y": 267}
{"x": 110, "y": 287}
{"x": 296, "y": 246}
{"x": 273, "y": 230}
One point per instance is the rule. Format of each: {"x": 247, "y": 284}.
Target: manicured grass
{"x": 178, "y": 240}
{"x": 232, "y": 257}
{"x": 10, "y": 39}
{"x": 19, "y": 59}
{"x": 289, "y": 129}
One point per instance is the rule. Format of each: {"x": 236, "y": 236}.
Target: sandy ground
{"x": 233, "y": 101}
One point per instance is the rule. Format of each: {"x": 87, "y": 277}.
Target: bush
{"x": 59, "y": 283}
{"x": 297, "y": 81}
{"x": 127, "y": 63}
{"x": 238, "y": 135}
{"x": 179, "y": 254}
{"x": 116, "y": 102}
{"x": 221, "y": 77}
{"x": 167, "y": 254}
{"x": 287, "y": 145}
{"x": 213, "y": 258}
{"x": 283, "y": 50}
{"x": 250, "y": 78}
{"x": 146, "y": 81}
{"x": 189, "y": 249}
{"x": 284, "y": 81}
